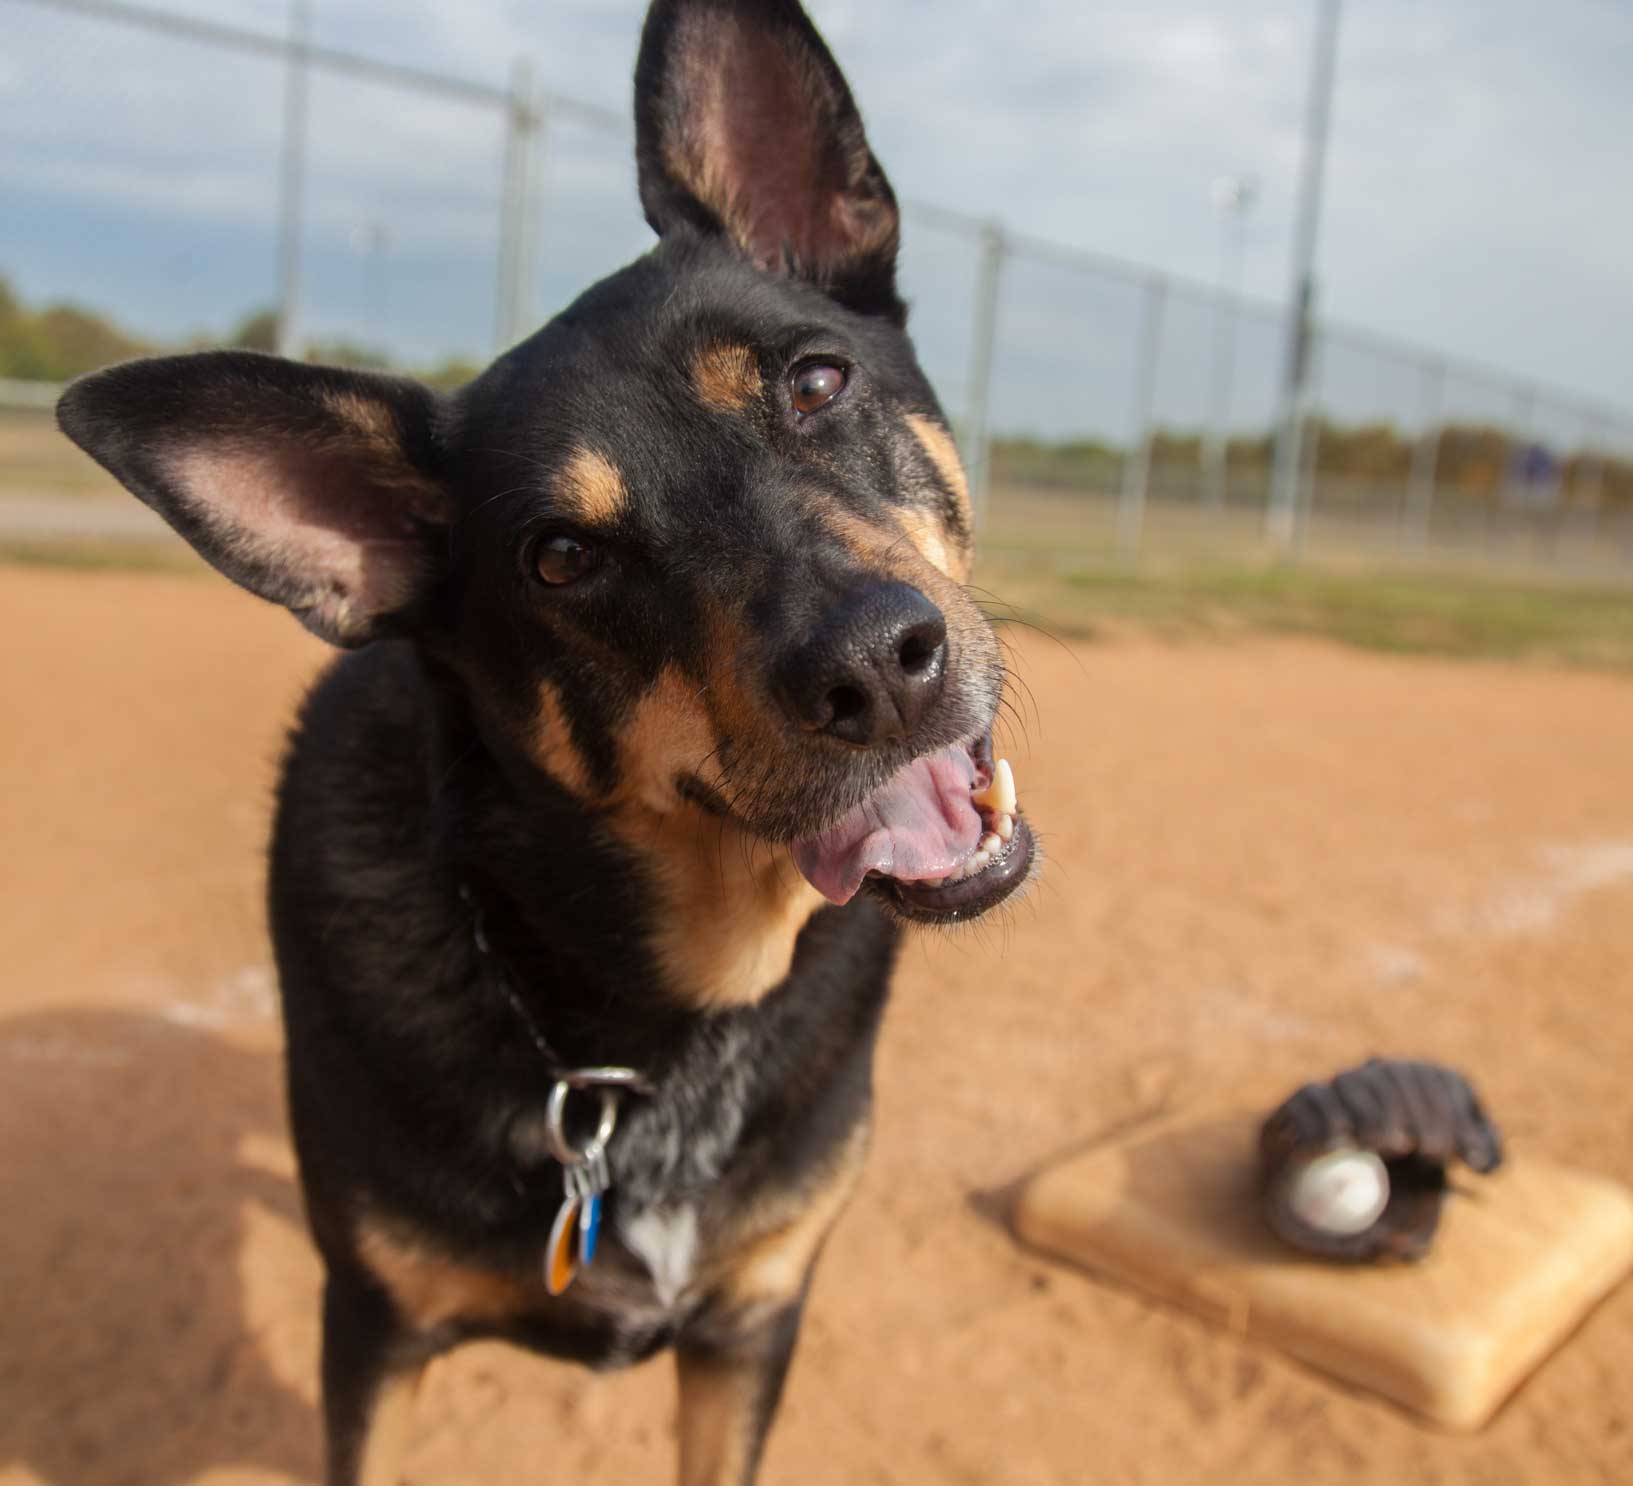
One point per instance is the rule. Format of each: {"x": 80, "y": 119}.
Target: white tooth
{"x": 1004, "y": 825}
{"x": 990, "y": 843}
{"x": 934, "y": 881}
{"x": 1003, "y": 789}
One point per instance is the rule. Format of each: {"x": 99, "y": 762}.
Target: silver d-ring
{"x": 555, "y": 1132}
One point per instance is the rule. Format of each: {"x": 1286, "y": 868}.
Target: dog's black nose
{"x": 873, "y": 667}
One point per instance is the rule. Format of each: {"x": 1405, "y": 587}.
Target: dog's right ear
{"x": 312, "y": 486}
{"x": 745, "y": 128}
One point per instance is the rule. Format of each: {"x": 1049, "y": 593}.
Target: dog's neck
{"x": 726, "y": 908}
{"x": 676, "y": 905}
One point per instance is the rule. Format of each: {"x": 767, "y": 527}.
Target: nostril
{"x": 845, "y": 703}
{"x": 917, "y": 651}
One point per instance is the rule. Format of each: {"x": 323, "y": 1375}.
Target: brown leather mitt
{"x": 1355, "y": 1169}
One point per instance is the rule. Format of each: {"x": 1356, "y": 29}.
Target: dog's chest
{"x": 645, "y": 1283}
{"x": 665, "y": 1240}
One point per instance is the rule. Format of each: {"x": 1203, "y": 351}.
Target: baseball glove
{"x": 1355, "y": 1169}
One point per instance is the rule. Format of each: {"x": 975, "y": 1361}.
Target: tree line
{"x": 56, "y": 342}
{"x": 60, "y": 341}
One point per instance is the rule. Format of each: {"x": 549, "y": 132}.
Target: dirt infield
{"x": 1267, "y": 858}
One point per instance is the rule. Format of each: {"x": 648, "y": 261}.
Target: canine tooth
{"x": 998, "y": 796}
{"x": 1003, "y": 780}
{"x": 991, "y": 842}
{"x": 1004, "y": 825}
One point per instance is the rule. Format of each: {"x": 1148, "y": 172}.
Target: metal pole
{"x": 1420, "y": 486}
{"x": 1590, "y": 492}
{"x": 978, "y": 396}
{"x": 1137, "y": 464}
{"x": 524, "y": 124}
{"x": 1517, "y": 493}
{"x": 1283, "y": 516}
{"x": 510, "y": 205}
{"x": 292, "y": 178}
{"x": 527, "y": 231}
{"x": 1233, "y": 195}
{"x": 1309, "y": 447}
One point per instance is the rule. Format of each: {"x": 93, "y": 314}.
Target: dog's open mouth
{"x": 943, "y": 838}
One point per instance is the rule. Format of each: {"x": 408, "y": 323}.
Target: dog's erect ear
{"x": 311, "y": 486}
{"x": 744, "y": 126}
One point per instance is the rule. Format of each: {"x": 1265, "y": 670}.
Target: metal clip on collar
{"x": 585, "y": 1176}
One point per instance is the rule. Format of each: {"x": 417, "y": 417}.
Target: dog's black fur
{"x": 577, "y": 792}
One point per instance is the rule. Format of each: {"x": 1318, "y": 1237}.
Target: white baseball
{"x": 1343, "y": 1192}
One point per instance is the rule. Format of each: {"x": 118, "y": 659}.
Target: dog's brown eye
{"x": 559, "y": 560}
{"x": 815, "y": 385}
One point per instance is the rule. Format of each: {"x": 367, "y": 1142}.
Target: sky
{"x": 1478, "y": 190}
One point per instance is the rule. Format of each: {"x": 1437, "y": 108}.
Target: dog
{"x": 665, "y": 707}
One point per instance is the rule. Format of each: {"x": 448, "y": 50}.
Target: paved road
{"x": 55, "y": 518}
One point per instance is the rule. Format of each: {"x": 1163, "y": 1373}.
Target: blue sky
{"x": 1478, "y": 190}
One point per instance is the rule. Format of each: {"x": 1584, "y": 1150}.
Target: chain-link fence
{"x": 372, "y": 212}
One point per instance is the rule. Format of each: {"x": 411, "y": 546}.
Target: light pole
{"x": 1234, "y": 196}
{"x": 292, "y": 177}
{"x": 1283, "y": 522}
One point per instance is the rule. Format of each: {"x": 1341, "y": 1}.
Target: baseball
{"x": 1343, "y": 1192}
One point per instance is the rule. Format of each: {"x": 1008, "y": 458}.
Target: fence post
{"x": 292, "y": 178}
{"x": 978, "y": 393}
{"x": 1420, "y": 483}
{"x": 1227, "y": 312}
{"x": 1309, "y": 447}
{"x": 1137, "y": 463}
{"x": 524, "y": 124}
{"x": 1588, "y": 488}
{"x": 1516, "y": 491}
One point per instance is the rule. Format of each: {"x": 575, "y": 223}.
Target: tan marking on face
{"x": 553, "y": 747}
{"x": 430, "y": 1289}
{"x": 769, "y": 1257}
{"x": 729, "y": 908}
{"x": 385, "y": 1438}
{"x": 892, "y": 552}
{"x": 925, "y": 531}
{"x": 942, "y": 452}
{"x": 939, "y": 448}
{"x": 725, "y": 376}
{"x": 590, "y": 488}
{"x": 668, "y": 734}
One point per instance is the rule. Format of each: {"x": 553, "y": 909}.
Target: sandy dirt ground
{"x": 1267, "y": 859}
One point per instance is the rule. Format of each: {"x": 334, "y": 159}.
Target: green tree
{"x": 257, "y": 331}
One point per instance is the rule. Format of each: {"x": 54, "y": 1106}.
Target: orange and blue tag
{"x": 573, "y": 1239}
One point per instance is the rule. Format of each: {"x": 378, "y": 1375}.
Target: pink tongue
{"x": 921, "y": 824}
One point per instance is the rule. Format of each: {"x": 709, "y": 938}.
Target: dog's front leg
{"x": 729, "y": 1388}
{"x": 368, "y": 1385}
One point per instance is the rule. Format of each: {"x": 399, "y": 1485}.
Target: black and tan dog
{"x": 661, "y": 639}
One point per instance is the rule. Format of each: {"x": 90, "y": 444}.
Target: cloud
{"x": 1476, "y": 193}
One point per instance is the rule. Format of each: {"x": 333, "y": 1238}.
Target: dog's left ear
{"x": 744, "y": 126}
{"x": 313, "y": 486}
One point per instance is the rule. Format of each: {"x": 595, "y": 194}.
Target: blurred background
{"x": 1206, "y": 292}
{"x": 1263, "y": 325}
